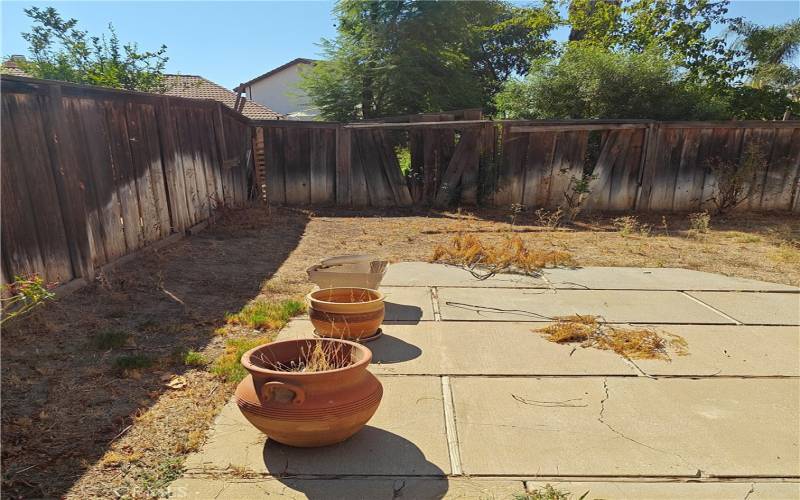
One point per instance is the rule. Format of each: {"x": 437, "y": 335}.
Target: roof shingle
{"x": 197, "y": 87}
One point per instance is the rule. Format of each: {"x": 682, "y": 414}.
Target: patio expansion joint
{"x": 450, "y": 427}
{"x": 437, "y": 313}
{"x": 739, "y": 323}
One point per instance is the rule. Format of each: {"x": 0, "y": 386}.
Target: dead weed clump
{"x": 510, "y": 255}
{"x": 630, "y": 343}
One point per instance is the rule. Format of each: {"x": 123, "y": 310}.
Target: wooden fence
{"x": 90, "y": 174}
{"x": 634, "y": 165}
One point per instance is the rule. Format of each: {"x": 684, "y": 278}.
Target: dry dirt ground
{"x": 74, "y": 425}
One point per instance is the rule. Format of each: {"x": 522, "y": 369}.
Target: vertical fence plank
{"x": 140, "y": 168}
{"x": 35, "y": 171}
{"x": 20, "y": 243}
{"x": 124, "y": 177}
{"x": 344, "y": 140}
{"x": 173, "y": 168}
{"x": 781, "y": 171}
{"x": 538, "y": 168}
{"x": 322, "y": 180}
{"x": 70, "y": 185}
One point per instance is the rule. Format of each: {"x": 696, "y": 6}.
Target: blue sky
{"x": 232, "y": 42}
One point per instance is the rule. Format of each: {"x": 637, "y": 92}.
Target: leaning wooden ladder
{"x": 260, "y": 164}
{"x": 259, "y": 161}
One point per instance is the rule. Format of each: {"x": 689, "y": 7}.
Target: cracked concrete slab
{"x": 755, "y": 308}
{"x": 631, "y": 490}
{"x": 405, "y": 437}
{"x": 345, "y": 488}
{"x": 540, "y": 305}
{"x": 460, "y": 347}
{"x": 655, "y": 278}
{"x": 408, "y": 305}
{"x": 597, "y": 278}
{"x": 628, "y": 426}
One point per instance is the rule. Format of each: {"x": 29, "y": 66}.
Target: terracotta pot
{"x": 347, "y": 313}
{"x": 308, "y": 409}
{"x": 360, "y": 271}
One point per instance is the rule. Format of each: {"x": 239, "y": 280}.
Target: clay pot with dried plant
{"x": 308, "y": 392}
{"x": 347, "y": 313}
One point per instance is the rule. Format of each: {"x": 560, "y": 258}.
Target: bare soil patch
{"x": 77, "y": 422}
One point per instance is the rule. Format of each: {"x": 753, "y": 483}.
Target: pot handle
{"x": 269, "y": 387}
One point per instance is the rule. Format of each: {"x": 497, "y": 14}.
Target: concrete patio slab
{"x": 595, "y": 278}
{"x": 629, "y": 490}
{"x": 406, "y": 437}
{"x": 755, "y": 308}
{"x": 429, "y": 274}
{"x": 628, "y": 426}
{"x": 346, "y": 488}
{"x": 743, "y": 351}
{"x": 626, "y": 306}
{"x": 460, "y": 347}
{"x": 409, "y": 305}
{"x": 655, "y": 278}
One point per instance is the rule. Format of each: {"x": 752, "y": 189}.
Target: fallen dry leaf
{"x": 178, "y": 382}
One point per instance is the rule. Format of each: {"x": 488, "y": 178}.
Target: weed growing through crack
{"x": 266, "y": 315}
{"x": 630, "y": 343}
{"x": 109, "y": 339}
{"x": 548, "y": 493}
{"x": 510, "y": 255}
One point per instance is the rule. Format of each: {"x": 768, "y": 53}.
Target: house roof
{"x": 197, "y": 87}
{"x": 10, "y": 67}
{"x": 299, "y": 60}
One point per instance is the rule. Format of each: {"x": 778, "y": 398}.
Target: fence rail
{"x": 640, "y": 165}
{"x": 90, "y": 174}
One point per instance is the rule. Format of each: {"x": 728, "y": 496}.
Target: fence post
{"x": 343, "y": 166}
{"x": 649, "y": 165}
{"x": 70, "y": 187}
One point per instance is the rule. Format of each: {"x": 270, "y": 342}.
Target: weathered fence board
{"x": 92, "y": 174}
{"x": 631, "y": 165}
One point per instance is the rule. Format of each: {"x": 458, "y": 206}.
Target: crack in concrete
{"x": 750, "y": 492}
{"x": 601, "y": 419}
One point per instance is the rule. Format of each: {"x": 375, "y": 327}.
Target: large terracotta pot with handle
{"x": 347, "y": 313}
{"x": 308, "y": 409}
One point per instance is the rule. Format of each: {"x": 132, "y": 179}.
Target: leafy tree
{"x": 769, "y": 51}
{"x": 60, "y": 51}
{"x": 589, "y": 81}
{"x": 400, "y": 57}
{"x": 678, "y": 28}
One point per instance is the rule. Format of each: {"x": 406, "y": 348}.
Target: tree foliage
{"x": 400, "y": 57}
{"x": 769, "y": 50}
{"x": 60, "y": 51}
{"x": 589, "y": 81}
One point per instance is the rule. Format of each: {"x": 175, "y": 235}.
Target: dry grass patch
{"x": 630, "y": 343}
{"x": 510, "y": 254}
{"x": 267, "y": 315}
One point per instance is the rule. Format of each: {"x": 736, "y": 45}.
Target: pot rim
{"x": 249, "y": 366}
{"x": 313, "y": 299}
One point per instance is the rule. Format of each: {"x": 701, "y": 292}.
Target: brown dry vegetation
{"x": 77, "y": 423}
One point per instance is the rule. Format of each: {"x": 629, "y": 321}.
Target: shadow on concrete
{"x": 371, "y": 452}
{"x": 387, "y": 349}
{"x": 407, "y": 315}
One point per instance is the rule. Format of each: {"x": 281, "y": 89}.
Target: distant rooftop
{"x": 299, "y": 60}
{"x": 197, "y": 87}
